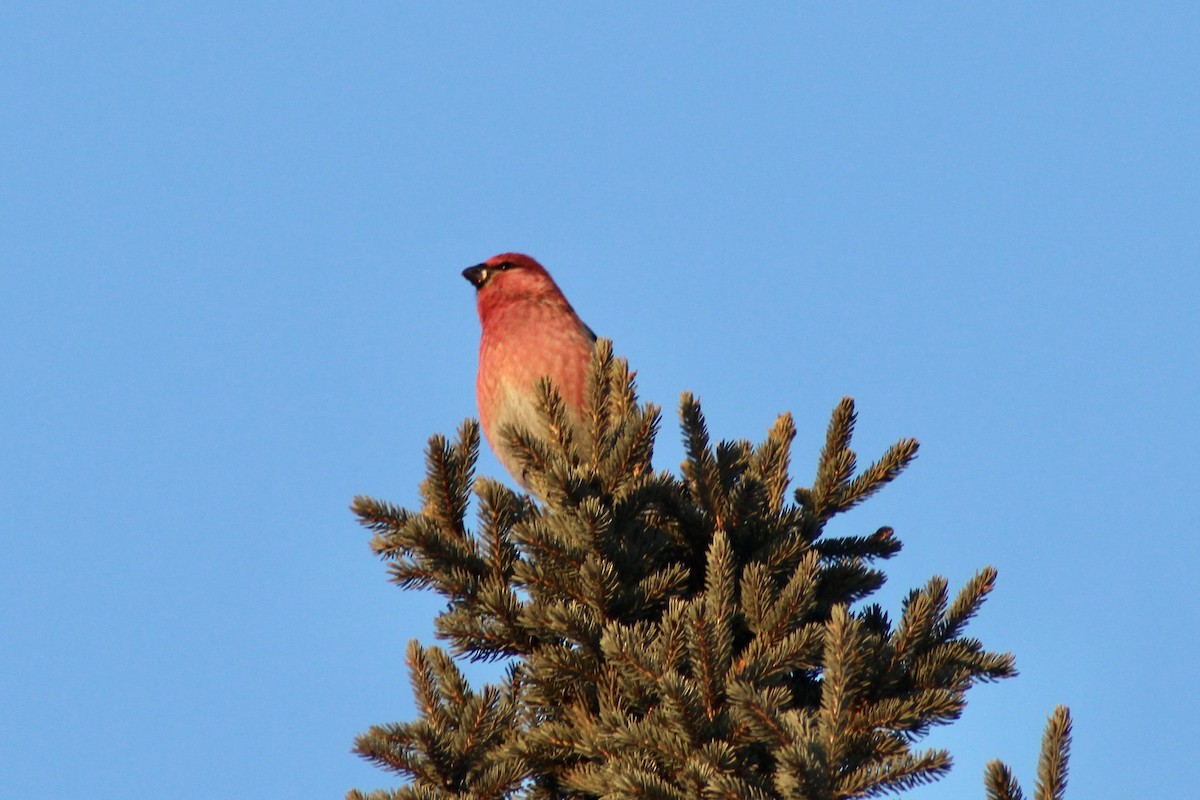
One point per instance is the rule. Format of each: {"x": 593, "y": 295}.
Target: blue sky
{"x": 230, "y": 239}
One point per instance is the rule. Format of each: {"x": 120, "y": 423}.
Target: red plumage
{"x": 530, "y": 331}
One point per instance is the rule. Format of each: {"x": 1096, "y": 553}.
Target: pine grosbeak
{"x": 530, "y": 331}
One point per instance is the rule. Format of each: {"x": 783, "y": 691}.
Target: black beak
{"x": 477, "y": 275}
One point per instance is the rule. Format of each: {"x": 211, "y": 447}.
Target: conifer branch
{"x": 499, "y": 512}
{"x": 455, "y": 750}
{"x": 554, "y": 415}
{"x": 624, "y": 398}
{"x": 841, "y": 428}
{"x": 656, "y": 587}
{"x": 759, "y": 710}
{"x": 532, "y": 454}
{"x": 670, "y": 646}
{"x": 836, "y": 489}
{"x": 700, "y": 466}
{"x": 1056, "y": 752}
{"x": 629, "y": 649}
{"x": 432, "y": 549}
{"x": 967, "y": 604}
{"x": 895, "y": 775}
{"x": 915, "y": 635}
{"x": 837, "y": 461}
{"x": 880, "y": 544}
{"x": 1000, "y": 782}
{"x": 631, "y": 452}
{"x": 841, "y": 684}
{"x": 715, "y": 625}
{"x": 794, "y": 604}
{"x": 914, "y": 712}
{"x": 894, "y": 461}
{"x": 756, "y": 593}
{"x": 600, "y": 393}
{"x": 770, "y": 461}
{"x": 446, "y": 489}
{"x": 385, "y": 519}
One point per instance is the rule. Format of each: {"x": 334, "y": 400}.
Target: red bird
{"x": 530, "y": 331}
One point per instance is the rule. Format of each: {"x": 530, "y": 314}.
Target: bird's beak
{"x": 477, "y": 275}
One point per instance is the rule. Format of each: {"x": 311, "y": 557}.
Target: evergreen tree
{"x": 672, "y": 638}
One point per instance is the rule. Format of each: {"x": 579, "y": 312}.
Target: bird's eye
{"x": 503, "y": 265}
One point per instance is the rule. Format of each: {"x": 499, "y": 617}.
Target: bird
{"x": 529, "y": 331}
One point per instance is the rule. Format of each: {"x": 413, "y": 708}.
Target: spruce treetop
{"x": 671, "y": 637}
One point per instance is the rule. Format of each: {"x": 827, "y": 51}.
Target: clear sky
{"x": 230, "y": 245}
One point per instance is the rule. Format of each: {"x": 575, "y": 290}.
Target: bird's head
{"x": 508, "y": 273}
{"x": 511, "y": 277}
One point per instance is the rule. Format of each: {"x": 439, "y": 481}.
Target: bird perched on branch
{"x": 530, "y": 331}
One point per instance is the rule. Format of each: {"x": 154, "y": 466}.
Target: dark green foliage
{"x": 668, "y": 637}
